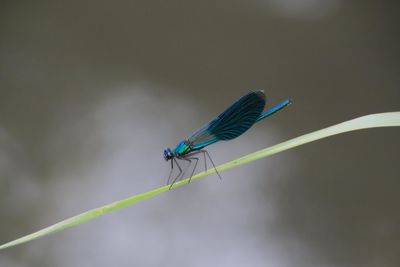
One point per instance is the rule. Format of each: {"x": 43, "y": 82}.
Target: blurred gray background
{"x": 92, "y": 91}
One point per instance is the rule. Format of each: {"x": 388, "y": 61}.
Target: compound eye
{"x": 167, "y": 154}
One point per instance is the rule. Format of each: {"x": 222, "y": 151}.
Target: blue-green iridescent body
{"x": 182, "y": 148}
{"x": 231, "y": 123}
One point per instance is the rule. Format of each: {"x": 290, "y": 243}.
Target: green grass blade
{"x": 370, "y": 121}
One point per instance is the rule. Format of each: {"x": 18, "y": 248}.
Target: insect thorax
{"x": 183, "y": 148}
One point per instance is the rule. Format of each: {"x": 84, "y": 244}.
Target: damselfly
{"x": 231, "y": 123}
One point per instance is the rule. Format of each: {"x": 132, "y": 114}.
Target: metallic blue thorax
{"x": 182, "y": 148}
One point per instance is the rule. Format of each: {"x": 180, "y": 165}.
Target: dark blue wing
{"x": 231, "y": 123}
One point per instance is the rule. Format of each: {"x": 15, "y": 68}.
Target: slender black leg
{"x": 198, "y": 152}
{"x": 190, "y": 163}
{"x": 205, "y": 162}
{"x": 170, "y": 173}
{"x": 195, "y": 166}
{"x": 180, "y": 172}
{"x": 208, "y": 155}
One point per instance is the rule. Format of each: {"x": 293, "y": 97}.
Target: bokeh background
{"x": 92, "y": 91}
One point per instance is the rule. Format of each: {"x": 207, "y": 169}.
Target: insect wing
{"x": 231, "y": 123}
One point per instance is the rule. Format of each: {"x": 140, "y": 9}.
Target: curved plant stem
{"x": 370, "y": 121}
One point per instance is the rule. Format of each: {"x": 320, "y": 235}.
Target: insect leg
{"x": 205, "y": 162}
{"x": 170, "y": 173}
{"x": 208, "y": 155}
{"x": 180, "y": 172}
{"x": 190, "y": 163}
{"x": 198, "y": 152}
{"x": 195, "y": 166}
